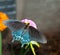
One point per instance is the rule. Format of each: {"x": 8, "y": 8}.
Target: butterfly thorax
{"x": 27, "y": 25}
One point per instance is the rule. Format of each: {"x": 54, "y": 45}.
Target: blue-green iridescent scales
{"x": 19, "y": 36}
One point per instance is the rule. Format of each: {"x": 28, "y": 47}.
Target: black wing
{"x": 36, "y": 35}
{"x": 14, "y": 24}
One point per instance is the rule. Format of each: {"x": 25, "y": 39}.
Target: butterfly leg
{"x": 27, "y": 46}
{"x": 35, "y": 43}
{"x": 32, "y": 48}
{"x": 22, "y": 45}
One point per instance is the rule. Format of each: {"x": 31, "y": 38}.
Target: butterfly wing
{"x": 36, "y": 35}
{"x": 14, "y": 24}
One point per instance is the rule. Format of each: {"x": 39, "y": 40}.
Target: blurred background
{"x": 46, "y": 14}
{"x": 8, "y": 7}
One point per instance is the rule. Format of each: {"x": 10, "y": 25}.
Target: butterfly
{"x": 24, "y": 32}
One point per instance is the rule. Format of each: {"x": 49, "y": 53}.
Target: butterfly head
{"x": 26, "y": 22}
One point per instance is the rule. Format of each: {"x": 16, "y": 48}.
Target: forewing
{"x": 14, "y": 24}
{"x": 36, "y": 35}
